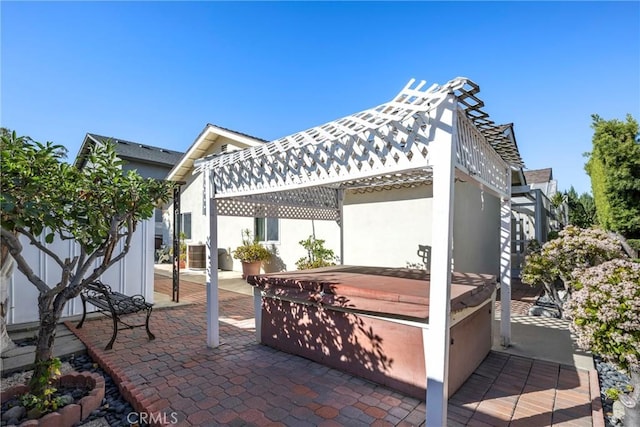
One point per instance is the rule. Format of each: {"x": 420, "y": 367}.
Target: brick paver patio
{"x": 244, "y": 383}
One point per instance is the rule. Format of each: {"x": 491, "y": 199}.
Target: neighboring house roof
{"x": 129, "y": 151}
{"x": 538, "y": 176}
{"x": 201, "y": 145}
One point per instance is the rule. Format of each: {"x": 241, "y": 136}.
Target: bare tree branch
{"x": 39, "y": 245}
{"x": 65, "y": 237}
{"x": 15, "y": 249}
{"x": 127, "y": 245}
{"x": 84, "y": 267}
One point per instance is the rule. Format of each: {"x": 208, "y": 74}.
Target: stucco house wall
{"x": 384, "y": 228}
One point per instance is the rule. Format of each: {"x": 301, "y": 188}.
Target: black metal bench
{"x": 114, "y": 304}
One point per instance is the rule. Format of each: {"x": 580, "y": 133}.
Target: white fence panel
{"x": 132, "y": 275}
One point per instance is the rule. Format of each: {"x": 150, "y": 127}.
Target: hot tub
{"x": 369, "y": 321}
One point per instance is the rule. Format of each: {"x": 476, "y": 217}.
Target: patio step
{"x": 21, "y": 358}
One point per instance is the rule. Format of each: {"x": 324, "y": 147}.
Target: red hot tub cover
{"x": 397, "y": 292}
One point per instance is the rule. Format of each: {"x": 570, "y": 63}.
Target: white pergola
{"x": 423, "y": 135}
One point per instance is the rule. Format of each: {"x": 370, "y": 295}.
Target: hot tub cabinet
{"x": 369, "y": 321}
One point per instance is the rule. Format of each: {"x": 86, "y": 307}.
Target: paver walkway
{"x": 244, "y": 383}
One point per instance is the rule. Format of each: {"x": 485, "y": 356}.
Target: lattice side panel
{"x": 394, "y": 147}
{"x": 474, "y": 154}
{"x": 235, "y": 207}
{"x": 311, "y": 197}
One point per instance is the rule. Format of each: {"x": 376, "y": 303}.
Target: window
{"x": 267, "y": 229}
{"x": 185, "y": 224}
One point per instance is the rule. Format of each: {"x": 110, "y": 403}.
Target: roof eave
{"x": 201, "y": 145}
{"x": 85, "y": 147}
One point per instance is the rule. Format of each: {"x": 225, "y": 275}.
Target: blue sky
{"x": 158, "y": 72}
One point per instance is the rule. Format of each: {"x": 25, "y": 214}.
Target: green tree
{"x": 582, "y": 209}
{"x": 43, "y": 198}
{"x": 614, "y": 168}
{"x": 6, "y": 271}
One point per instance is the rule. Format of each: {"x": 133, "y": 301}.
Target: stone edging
{"x": 101, "y": 356}
{"x": 70, "y": 414}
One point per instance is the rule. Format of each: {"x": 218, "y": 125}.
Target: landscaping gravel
{"x": 115, "y": 410}
{"x": 610, "y": 377}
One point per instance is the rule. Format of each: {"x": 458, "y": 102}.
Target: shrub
{"x": 574, "y": 249}
{"x": 251, "y": 250}
{"x": 605, "y": 311}
{"x": 317, "y": 254}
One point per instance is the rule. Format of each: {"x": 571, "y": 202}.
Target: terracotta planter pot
{"x": 250, "y": 268}
{"x": 68, "y": 415}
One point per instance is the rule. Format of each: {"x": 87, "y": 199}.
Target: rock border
{"x": 71, "y": 414}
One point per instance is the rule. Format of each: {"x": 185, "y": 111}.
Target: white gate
{"x": 132, "y": 275}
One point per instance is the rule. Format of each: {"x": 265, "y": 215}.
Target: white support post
{"x": 505, "y": 266}
{"x": 213, "y": 321}
{"x": 436, "y": 341}
{"x": 341, "y": 208}
{"x": 257, "y": 308}
{"x": 539, "y": 208}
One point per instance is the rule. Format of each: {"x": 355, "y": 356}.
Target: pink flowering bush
{"x": 575, "y": 249}
{"x": 605, "y": 311}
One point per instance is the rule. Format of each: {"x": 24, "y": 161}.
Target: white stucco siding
{"x": 287, "y": 248}
{"x": 292, "y": 231}
{"x": 476, "y": 230}
{"x": 384, "y": 228}
{"x": 191, "y": 201}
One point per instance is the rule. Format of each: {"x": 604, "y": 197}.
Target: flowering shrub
{"x": 606, "y": 311}
{"x": 574, "y": 249}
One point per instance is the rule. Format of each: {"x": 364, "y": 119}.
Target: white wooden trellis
{"x": 423, "y": 135}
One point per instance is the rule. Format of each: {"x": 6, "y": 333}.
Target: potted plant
{"x": 251, "y": 254}
{"x": 183, "y": 250}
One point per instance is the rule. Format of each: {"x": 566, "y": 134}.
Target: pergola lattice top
{"x": 383, "y": 147}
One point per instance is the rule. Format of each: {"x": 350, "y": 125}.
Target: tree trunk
{"x": 631, "y": 402}
{"x": 6, "y": 271}
{"x": 552, "y": 293}
{"x": 49, "y": 317}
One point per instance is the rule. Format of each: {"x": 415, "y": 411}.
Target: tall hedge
{"x": 614, "y": 168}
